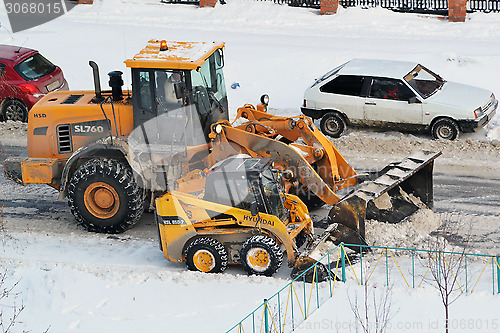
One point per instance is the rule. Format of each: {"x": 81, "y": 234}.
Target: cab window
{"x": 166, "y": 98}
{"x": 208, "y": 83}
{"x": 145, "y": 92}
{"x": 235, "y": 193}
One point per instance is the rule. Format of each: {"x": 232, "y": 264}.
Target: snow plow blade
{"x": 390, "y": 195}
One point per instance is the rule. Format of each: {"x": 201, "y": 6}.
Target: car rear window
{"x": 344, "y": 85}
{"x": 328, "y": 75}
{"x": 34, "y": 67}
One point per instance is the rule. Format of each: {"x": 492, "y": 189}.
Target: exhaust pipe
{"x": 116, "y": 83}
{"x": 97, "y": 83}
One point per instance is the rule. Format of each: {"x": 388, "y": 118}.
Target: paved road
{"x": 469, "y": 203}
{"x": 472, "y": 204}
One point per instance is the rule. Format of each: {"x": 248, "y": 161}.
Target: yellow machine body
{"x": 182, "y": 217}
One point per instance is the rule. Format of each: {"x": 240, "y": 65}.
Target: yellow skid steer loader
{"x": 241, "y": 216}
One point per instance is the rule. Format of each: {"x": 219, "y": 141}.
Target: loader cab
{"x": 172, "y": 80}
{"x": 246, "y": 183}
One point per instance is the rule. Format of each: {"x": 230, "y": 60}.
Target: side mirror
{"x": 254, "y": 209}
{"x": 180, "y": 89}
{"x": 413, "y": 100}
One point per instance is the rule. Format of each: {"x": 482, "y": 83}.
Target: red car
{"x": 25, "y": 77}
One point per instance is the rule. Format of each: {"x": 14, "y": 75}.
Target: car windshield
{"x": 272, "y": 193}
{"x": 328, "y": 75}
{"x": 425, "y": 82}
{"x": 34, "y": 67}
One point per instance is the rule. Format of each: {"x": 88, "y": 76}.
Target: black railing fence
{"x": 300, "y": 3}
{"x": 485, "y": 6}
{"x": 410, "y": 6}
{"x": 418, "y": 6}
{"x": 397, "y": 4}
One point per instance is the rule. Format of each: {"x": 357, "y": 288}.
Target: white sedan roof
{"x": 375, "y": 67}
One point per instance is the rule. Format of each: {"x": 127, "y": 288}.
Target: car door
{"x": 390, "y": 101}
{"x": 343, "y": 93}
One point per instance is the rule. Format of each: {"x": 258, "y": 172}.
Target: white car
{"x": 396, "y": 94}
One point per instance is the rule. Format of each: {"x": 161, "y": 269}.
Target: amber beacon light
{"x": 163, "y": 45}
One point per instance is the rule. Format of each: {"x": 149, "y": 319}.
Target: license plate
{"x": 53, "y": 85}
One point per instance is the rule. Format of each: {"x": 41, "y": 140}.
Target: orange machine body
{"x": 85, "y": 121}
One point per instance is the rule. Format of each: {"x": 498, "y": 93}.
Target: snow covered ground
{"x": 70, "y": 280}
{"x": 95, "y": 283}
{"x": 412, "y": 310}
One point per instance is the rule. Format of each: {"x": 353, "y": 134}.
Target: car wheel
{"x": 261, "y": 255}
{"x": 332, "y": 124}
{"x": 14, "y": 110}
{"x": 207, "y": 255}
{"x": 446, "y": 129}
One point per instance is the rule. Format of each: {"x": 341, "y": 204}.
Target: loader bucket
{"x": 397, "y": 191}
{"x": 392, "y": 194}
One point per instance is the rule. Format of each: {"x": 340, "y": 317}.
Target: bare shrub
{"x": 375, "y": 312}
{"x": 446, "y": 263}
{"x": 9, "y": 314}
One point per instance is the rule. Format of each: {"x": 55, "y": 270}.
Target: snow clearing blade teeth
{"x": 392, "y": 194}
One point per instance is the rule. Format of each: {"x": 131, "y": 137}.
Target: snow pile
{"x": 494, "y": 130}
{"x": 412, "y": 232}
{"x": 13, "y": 132}
{"x": 398, "y": 144}
{"x": 372, "y": 150}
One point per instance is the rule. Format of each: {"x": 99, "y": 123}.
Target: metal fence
{"x": 486, "y": 6}
{"x": 414, "y": 6}
{"x": 358, "y": 264}
{"x": 439, "y": 7}
{"x": 423, "y": 6}
{"x": 300, "y": 3}
{"x": 408, "y": 6}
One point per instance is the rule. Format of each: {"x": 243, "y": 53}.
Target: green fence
{"x": 361, "y": 264}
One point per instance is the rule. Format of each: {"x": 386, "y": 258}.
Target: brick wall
{"x": 457, "y": 10}
{"x": 330, "y": 6}
{"x": 208, "y": 3}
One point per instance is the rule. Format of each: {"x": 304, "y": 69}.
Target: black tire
{"x": 332, "y": 124}
{"x": 207, "y": 255}
{"x": 261, "y": 255}
{"x": 104, "y": 197}
{"x": 445, "y": 128}
{"x": 15, "y": 110}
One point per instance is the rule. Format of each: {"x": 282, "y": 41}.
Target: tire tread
{"x": 273, "y": 249}
{"x": 116, "y": 170}
{"x": 210, "y": 244}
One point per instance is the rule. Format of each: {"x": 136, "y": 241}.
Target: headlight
{"x": 218, "y": 128}
{"x": 478, "y": 112}
{"x": 264, "y": 99}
